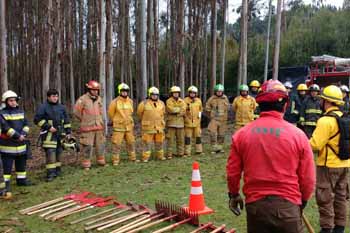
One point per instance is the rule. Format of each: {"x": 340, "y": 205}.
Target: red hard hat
{"x": 272, "y": 91}
{"x": 93, "y": 85}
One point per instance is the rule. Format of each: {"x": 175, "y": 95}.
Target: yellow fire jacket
{"x": 193, "y": 112}
{"x": 321, "y": 141}
{"x": 175, "y": 113}
{"x": 244, "y": 109}
{"x": 120, "y": 113}
{"x": 151, "y": 114}
{"x": 217, "y": 108}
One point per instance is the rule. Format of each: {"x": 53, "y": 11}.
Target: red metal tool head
{"x": 181, "y": 214}
{"x": 77, "y": 196}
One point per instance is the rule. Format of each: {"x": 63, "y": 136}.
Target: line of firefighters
{"x": 180, "y": 118}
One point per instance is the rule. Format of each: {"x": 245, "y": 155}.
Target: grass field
{"x": 140, "y": 183}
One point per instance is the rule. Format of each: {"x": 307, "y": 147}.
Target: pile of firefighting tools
{"x": 122, "y": 218}
{"x": 130, "y": 217}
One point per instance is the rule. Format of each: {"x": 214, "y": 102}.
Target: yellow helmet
{"x": 193, "y": 89}
{"x": 123, "y": 87}
{"x": 302, "y": 87}
{"x": 332, "y": 94}
{"x": 153, "y": 91}
{"x": 175, "y": 89}
{"x": 254, "y": 83}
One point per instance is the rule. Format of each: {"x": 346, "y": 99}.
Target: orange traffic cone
{"x": 196, "y": 202}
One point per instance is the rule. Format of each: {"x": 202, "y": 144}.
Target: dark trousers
{"x": 20, "y": 166}
{"x": 332, "y": 195}
{"x": 273, "y": 214}
{"x": 53, "y": 157}
{"x": 2, "y": 181}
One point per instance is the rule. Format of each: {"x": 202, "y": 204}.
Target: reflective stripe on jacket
{"x": 151, "y": 114}
{"x": 175, "y": 109}
{"x": 193, "y": 112}
{"x": 89, "y": 112}
{"x": 14, "y": 124}
{"x": 217, "y": 107}
{"x": 52, "y": 115}
{"x": 310, "y": 111}
{"x": 244, "y": 108}
{"x": 120, "y": 113}
{"x": 322, "y": 141}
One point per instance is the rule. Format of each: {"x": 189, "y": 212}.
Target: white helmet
{"x": 8, "y": 94}
{"x": 193, "y": 89}
{"x": 344, "y": 88}
{"x": 288, "y": 84}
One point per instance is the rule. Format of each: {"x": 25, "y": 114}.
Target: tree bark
{"x": 277, "y": 41}
{"x": 180, "y": 43}
{"x": 102, "y": 59}
{"x": 213, "y": 46}
{"x": 156, "y": 42}
{"x": 242, "y": 70}
{"x": 47, "y": 51}
{"x": 268, "y": 42}
{"x": 109, "y": 55}
{"x": 59, "y": 30}
{"x": 223, "y": 42}
{"x": 3, "y": 58}
{"x": 143, "y": 48}
{"x": 70, "y": 52}
{"x": 150, "y": 41}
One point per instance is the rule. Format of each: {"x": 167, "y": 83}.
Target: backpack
{"x": 344, "y": 139}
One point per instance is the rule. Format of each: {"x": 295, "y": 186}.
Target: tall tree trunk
{"x": 102, "y": 58}
{"x": 268, "y": 42}
{"x": 70, "y": 52}
{"x": 109, "y": 55}
{"x": 3, "y": 58}
{"x": 213, "y": 46}
{"x": 223, "y": 42}
{"x": 242, "y": 71}
{"x": 156, "y": 42}
{"x": 277, "y": 41}
{"x": 122, "y": 36}
{"x": 150, "y": 41}
{"x": 143, "y": 48}
{"x": 47, "y": 51}
{"x": 59, "y": 30}
{"x": 204, "y": 76}
{"x": 180, "y": 43}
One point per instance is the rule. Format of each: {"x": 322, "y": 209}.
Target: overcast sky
{"x": 234, "y": 4}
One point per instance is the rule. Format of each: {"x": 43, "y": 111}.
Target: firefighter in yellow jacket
{"x": 88, "y": 110}
{"x": 217, "y": 109}
{"x": 175, "y": 122}
{"x": 243, "y": 106}
{"x": 193, "y": 121}
{"x": 151, "y": 113}
{"x": 332, "y": 172}
{"x": 120, "y": 112}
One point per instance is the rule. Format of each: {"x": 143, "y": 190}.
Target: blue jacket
{"x": 13, "y": 125}
{"x": 52, "y": 115}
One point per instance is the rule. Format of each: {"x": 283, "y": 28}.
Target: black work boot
{"x": 58, "y": 171}
{"x": 7, "y": 186}
{"x": 338, "y": 229}
{"x": 326, "y": 230}
{"x": 51, "y": 174}
{"x": 24, "y": 182}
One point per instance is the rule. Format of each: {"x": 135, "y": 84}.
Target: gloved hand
{"x": 303, "y": 204}
{"x": 236, "y": 203}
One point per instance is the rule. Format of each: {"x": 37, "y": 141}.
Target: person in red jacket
{"x": 277, "y": 162}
